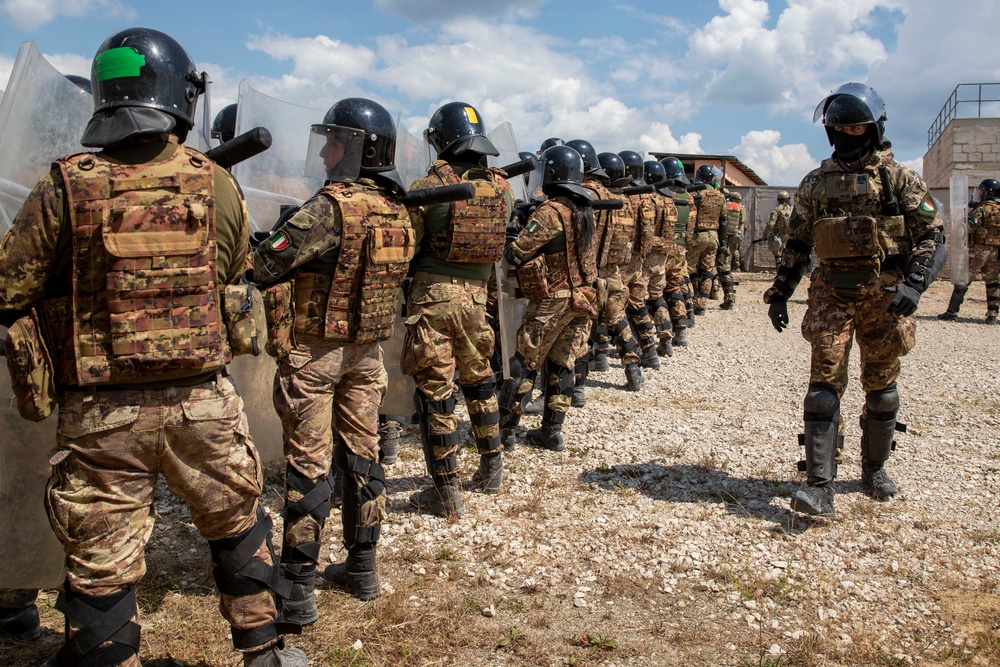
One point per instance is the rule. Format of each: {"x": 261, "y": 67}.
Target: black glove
{"x": 778, "y": 312}
{"x": 905, "y": 302}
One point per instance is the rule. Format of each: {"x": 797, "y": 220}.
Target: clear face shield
{"x": 334, "y": 153}
{"x": 978, "y": 196}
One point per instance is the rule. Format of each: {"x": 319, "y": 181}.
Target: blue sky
{"x": 738, "y": 77}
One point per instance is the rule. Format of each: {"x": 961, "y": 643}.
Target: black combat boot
{"x": 633, "y": 377}
{"x": 443, "y": 498}
{"x": 650, "y": 358}
{"x": 549, "y": 435}
{"x": 601, "y": 357}
{"x": 489, "y": 476}
{"x": 357, "y": 573}
{"x": 681, "y": 336}
{"x": 300, "y": 606}
{"x": 276, "y": 655}
{"x": 20, "y": 623}
{"x": 878, "y": 430}
{"x": 559, "y": 381}
{"x": 955, "y": 303}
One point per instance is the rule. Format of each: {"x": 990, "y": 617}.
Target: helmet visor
{"x": 866, "y": 96}
{"x": 334, "y": 153}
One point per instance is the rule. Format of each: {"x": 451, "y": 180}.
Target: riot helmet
{"x": 591, "y": 165}
{"x": 709, "y": 174}
{"x": 853, "y": 105}
{"x": 562, "y": 172}
{"x": 987, "y": 190}
{"x": 736, "y": 197}
{"x": 457, "y": 128}
{"x": 784, "y": 196}
{"x": 633, "y": 165}
{"x": 356, "y": 135}
{"x": 654, "y": 173}
{"x": 143, "y": 83}
{"x": 83, "y": 83}
{"x": 549, "y": 143}
{"x": 524, "y": 155}
{"x": 674, "y": 169}
{"x": 614, "y": 166}
{"x": 224, "y": 125}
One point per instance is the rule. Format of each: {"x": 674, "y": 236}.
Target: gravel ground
{"x": 662, "y": 535}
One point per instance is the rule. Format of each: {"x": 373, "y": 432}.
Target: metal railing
{"x": 968, "y": 100}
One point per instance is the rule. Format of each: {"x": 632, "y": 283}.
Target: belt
{"x": 454, "y": 280}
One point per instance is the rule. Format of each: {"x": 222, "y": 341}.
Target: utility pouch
{"x": 244, "y": 317}
{"x": 533, "y": 278}
{"x": 583, "y": 300}
{"x": 32, "y": 374}
{"x": 279, "y": 311}
{"x": 846, "y": 237}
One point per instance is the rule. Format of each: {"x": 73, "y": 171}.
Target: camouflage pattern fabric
{"x": 614, "y": 312}
{"x": 325, "y": 388}
{"x": 552, "y": 330}
{"x": 985, "y": 260}
{"x": 667, "y": 279}
{"x": 17, "y": 598}
{"x": 831, "y": 321}
{"x": 984, "y": 224}
{"x": 447, "y": 327}
{"x": 111, "y": 447}
{"x": 638, "y": 289}
{"x": 777, "y": 224}
{"x": 701, "y": 263}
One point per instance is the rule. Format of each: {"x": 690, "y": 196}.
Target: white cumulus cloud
{"x": 32, "y": 14}
{"x": 777, "y": 164}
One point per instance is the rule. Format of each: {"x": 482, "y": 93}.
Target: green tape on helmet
{"x": 118, "y": 63}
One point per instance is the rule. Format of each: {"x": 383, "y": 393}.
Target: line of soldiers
{"x": 130, "y": 283}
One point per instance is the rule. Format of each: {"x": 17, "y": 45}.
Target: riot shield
{"x": 958, "y": 253}
{"x": 511, "y": 312}
{"x": 413, "y": 155}
{"x": 276, "y": 176}
{"x": 42, "y": 117}
{"x": 503, "y": 138}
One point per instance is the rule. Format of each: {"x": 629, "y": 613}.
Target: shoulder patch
{"x": 279, "y": 241}
{"x": 928, "y": 205}
{"x": 533, "y": 225}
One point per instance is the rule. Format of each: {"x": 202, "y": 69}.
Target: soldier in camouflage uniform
{"x": 664, "y": 219}
{"x": 737, "y": 214}
{"x": 337, "y": 264}
{"x": 727, "y": 243}
{"x": 709, "y": 204}
{"x": 878, "y": 237}
{"x": 126, "y": 254}
{"x": 678, "y": 288}
{"x": 984, "y": 251}
{"x": 556, "y": 266}
{"x": 615, "y": 236}
{"x": 635, "y": 275}
{"x": 446, "y": 324}
{"x": 776, "y": 231}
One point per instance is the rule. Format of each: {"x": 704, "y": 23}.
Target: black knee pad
{"x": 355, "y": 495}
{"x": 883, "y": 404}
{"x": 100, "y": 619}
{"x": 655, "y": 304}
{"x": 821, "y": 402}
{"x": 561, "y": 379}
{"x": 315, "y": 499}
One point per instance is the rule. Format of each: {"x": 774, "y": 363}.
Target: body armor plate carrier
{"x": 475, "y": 232}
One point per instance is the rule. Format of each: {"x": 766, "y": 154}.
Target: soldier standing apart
{"x": 877, "y": 234}
{"x": 776, "y": 231}
{"x": 711, "y": 223}
{"x": 554, "y": 255}
{"x": 126, "y": 254}
{"x": 984, "y": 251}
{"x": 614, "y": 236}
{"x": 447, "y": 324}
{"x": 342, "y": 258}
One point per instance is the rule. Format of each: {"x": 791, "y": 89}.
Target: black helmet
{"x": 591, "y": 165}
{"x": 366, "y": 134}
{"x": 853, "y": 104}
{"x": 633, "y": 165}
{"x": 709, "y": 174}
{"x": 562, "y": 172}
{"x": 549, "y": 143}
{"x": 614, "y": 166}
{"x": 654, "y": 173}
{"x": 224, "y": 125}
{"x": 987, "y": 190}
{"x": 457, "y": 128}
{"x": 674, "y": 169}
{"x": 141, "y": 67}
{"x": 81, "y": 82}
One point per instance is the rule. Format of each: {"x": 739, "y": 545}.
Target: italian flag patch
{"x": 279, "y": 241}
{"x": 928, "y": 205}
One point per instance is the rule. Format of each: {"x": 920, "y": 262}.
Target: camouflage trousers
{"x": 111, "y": 447}
{"x": 326, "y": 390}
{"x": 551, "y": 330}
{"x": 832, "y": 321}
{"x": 447, "y": 327}
{"x": 668, "y": 273}
{"x": 985, "y": 259}
{"x": 701, "y": 264}
{"x": 612, "y": 315}
{"x": 723, "y": 268}
{"x": 637, "y": 280}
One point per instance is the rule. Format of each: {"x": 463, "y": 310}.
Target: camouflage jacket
{"x": 570, "y": 266}
{"x": 984, "y": 224}
{"x": 778, "y": 222}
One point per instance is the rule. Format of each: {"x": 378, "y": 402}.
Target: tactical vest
{"x": 782, "y": 212}
{"x": 145, "y": 302}
{"x": 644, "y": 227}
{"x": 849, "y": 224}
{"x": 665, "y": 222}
{"x": 710, "y": 208}
{"x": 572, "y": 268}
{"x": 684, "y": 214}
{"x": 987, "y": 231}
{"x": 733, "y": 216}
{"x": 357, "y": 301}
{"x": 475, "y": 232}
{"x": 616, "y": 230}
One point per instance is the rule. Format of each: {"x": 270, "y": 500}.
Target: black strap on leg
{"x": 625, "y": 346}
{"x": 315, "y": 499}
{"x": 352, "y": 465}
{"x": 235, "y": 556}
{"x": 483, "y": 392}
{"x": 100, "y": 619}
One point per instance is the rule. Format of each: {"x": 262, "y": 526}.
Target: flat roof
{"x": 691, "y": 157}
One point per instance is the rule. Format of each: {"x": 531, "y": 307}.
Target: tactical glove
{"x": 905, "y": 302}
{"x": 778, "y": 312}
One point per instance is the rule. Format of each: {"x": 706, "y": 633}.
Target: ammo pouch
{"x": 32, "y": 374}
{"x": 243, "y": 315}
{"x": 847, "y": 237}
{"x": 533, "y": 278}
{"x": 279, "y": 311}
{"x": 583, "y": 299}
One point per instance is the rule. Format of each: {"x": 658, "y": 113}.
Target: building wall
{"x": 967, "y": 145}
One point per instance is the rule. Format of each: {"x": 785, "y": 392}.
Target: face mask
{"x": 851, "y": 148}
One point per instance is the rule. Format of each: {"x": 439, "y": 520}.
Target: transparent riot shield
{"x": 958, "y": 253}
{"x": 42, "y": 117}
{"x": 511, "y": 312}
{"x": 276, "y": 176}
{"x": 503, "y": 138}
{"x": 413, "y": 155}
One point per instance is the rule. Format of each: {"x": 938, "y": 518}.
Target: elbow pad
{"x": 511, "y": 257}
